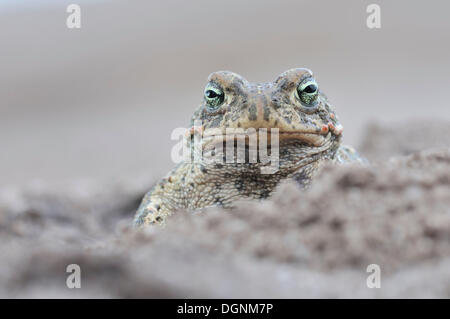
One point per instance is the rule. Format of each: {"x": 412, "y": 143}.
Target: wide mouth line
{"x": 268, "y": 133}
{"x": 314, "y": 139}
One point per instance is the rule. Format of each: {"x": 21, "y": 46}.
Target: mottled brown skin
{"x": 308, "y": 137}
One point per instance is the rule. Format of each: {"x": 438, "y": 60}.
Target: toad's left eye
{"x": 214, "y": 96}
{"x": 308, "y": 92}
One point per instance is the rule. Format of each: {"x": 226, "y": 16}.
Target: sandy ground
{"x": 394, "y": 213}
{"x": 85, "y": 122}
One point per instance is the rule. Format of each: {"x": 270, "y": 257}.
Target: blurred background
{"x": 100, "y": 102}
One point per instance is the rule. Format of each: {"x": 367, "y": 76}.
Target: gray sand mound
{"x": 316, "y": 243}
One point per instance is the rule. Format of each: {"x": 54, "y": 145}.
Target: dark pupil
{"x": 211, "y": 94}
{"x": 310, "y": 88}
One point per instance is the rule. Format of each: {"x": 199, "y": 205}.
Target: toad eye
{"x": 308, "y": 92}
{"x": 214, "y": 96}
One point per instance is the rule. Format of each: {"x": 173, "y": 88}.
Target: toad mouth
{"x": 314, "y": 139}
{"x": 308, "y": 135}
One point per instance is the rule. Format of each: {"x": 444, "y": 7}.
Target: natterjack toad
{"x": 244, "y": 139}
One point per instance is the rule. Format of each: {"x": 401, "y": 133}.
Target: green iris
{"x": 308, "y": 92}
{"x": 214, "y": 96}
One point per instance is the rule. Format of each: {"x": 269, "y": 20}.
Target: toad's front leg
{"x": 163, "y": 199}
{"x": 347, "y": 154}
{"x": 152, "y": 209}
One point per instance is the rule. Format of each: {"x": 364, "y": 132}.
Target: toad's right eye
{"x": 214, "y": 96}
{"x": 308, "y": 92}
